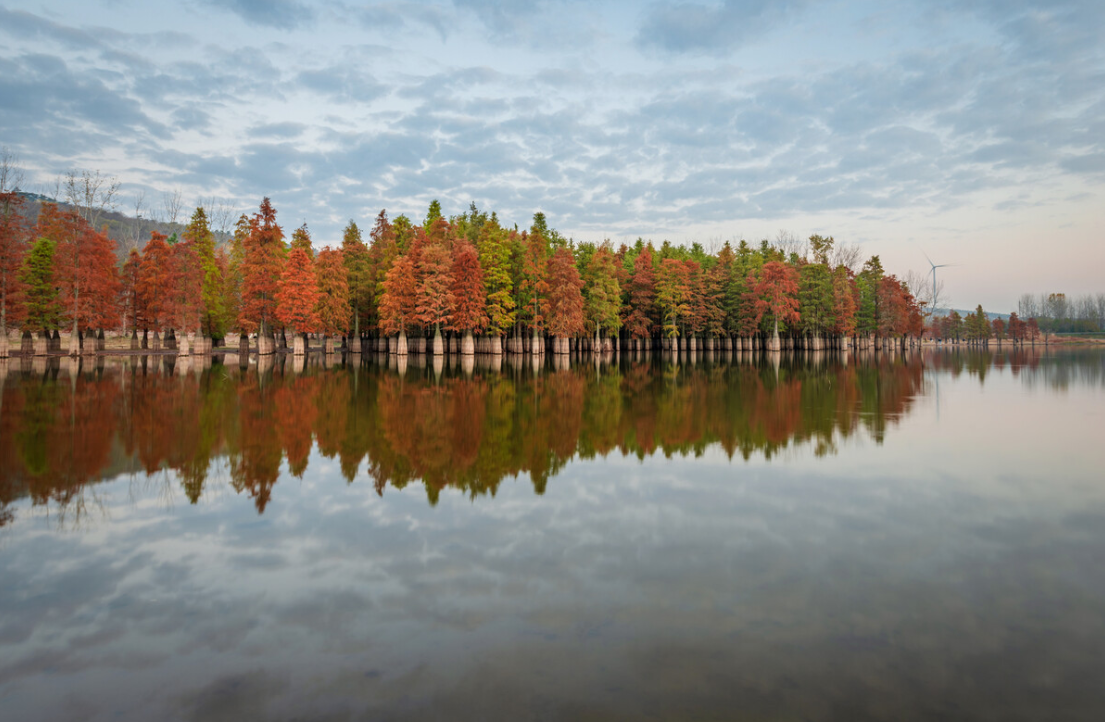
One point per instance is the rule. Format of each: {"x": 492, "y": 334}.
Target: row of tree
{"x": 1059, "y": 314}
{"x": 467, "y": 275}
{"x": 978, "y": 328}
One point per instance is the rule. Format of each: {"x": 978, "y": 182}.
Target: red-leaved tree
{"x": 397, "y": 305}
{"x": 435, "y": 286}
{"x": 85, "y": 269}
{"x": 563, "y": 306}
{"x": 297, "y": 295}
{"x": 893, "y": 307}
{"x": 844, "y": 302}
{"x": 133, "y": 310}
{"x": 13, "y": 246}
{"x": 332, "y": 279}
{"x": 261, "y": 270}
{"x": 154, "y": 283}
{"x": 640, "y": 313}
{"x": 776, "y": 293}
{"x": 186, "y": 287}
{"x": 469, "y": 299}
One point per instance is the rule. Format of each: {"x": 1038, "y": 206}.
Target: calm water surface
{"x": 826, "y": 538}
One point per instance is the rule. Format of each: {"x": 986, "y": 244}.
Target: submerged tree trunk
{"x": 439, "y": 343}
{"x": 775, "y": 344}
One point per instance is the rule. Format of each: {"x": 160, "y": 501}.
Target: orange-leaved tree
{"x": 698, "y": 301}
{"x": 14, "y": 237}
{"x": 86, "y": 269}
{"x": 844, "y": 301}
{"x": 893, "y": 307}
{"x": 297, "y": 294}
{"x": 261, "y": 270}
{"x": 154, "y": 283}
{"x": 435, "y": 285}
{"x": 469, "y": 314}
{"x": 397, "y": 305}
{"x": 563, "y": 305}
{"x": 134, "y": 314}
{"x": 642, "y": 296}
{"x": 776, "y": 293}
{"x": 332, "y": 278}
{"x": 186, "y": 288}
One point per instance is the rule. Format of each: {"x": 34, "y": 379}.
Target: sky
{"x": 969, "y": 132}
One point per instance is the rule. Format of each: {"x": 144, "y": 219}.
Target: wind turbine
{"x": 933, "y": 272}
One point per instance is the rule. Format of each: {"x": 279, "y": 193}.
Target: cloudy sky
{"x": 970, "y": 131}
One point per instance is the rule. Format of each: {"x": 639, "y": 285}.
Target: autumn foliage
{"x": 469, "y": 311}
{"x": 297, "y": 296}
{"x": 563, "y": 307}
{"x": 262, "y": 268}
{"x": 464, "y": 274}
{"x": 14, "y": 239}
{"x": 775, "y": 291}
{"x": 332, "y": 282}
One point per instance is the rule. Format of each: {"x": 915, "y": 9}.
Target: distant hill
{"x": 128, "y": 232}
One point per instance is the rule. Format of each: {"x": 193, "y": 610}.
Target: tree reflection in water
{"x": 65, "y": 424}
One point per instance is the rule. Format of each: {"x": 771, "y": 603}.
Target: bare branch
{"x": 220, "y": 213}
{"x": 91, "y": 193}
{"x": 139, "y": 204}
{"x": 11, "y": 173}
{"x": 789, "y": 243}
{"x": 920, "y": 284}
{"x": 847, "y": 255}
{"x": 171, "y": 203}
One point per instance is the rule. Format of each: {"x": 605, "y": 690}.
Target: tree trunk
{"x": 266, "y": 345}
{"x": 775, "y": 344}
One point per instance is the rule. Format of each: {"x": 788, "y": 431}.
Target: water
{"x": 887, "y": 538}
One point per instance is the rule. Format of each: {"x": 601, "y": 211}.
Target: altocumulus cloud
{"x": 616, "y": 119}
{"x": 712, "y": 28}
{"x": 280, "y": 14}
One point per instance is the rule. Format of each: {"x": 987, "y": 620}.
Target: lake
{"x": 735, "y": 537}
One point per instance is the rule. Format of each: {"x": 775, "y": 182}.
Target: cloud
{"x": 279, "y": 14}
{"x": 277, "y": 130}
{"x": 693, "y": 27}
{"x": 41, "y": 94}
{"x": 605, "y": 144}
{"x": 340, "y": 83}
{"x": 402, "y": 16}
{"x": 1091, "y": 163}
{"x": 191, "y": 118}
{"x": 25, "y": 26}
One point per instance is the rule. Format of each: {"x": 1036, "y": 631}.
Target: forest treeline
{"x": 460, "y": 430}
{"x": 467, "y": 282}
{"x": 1058, "y": 313}
{"x": 464, "y": 276}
